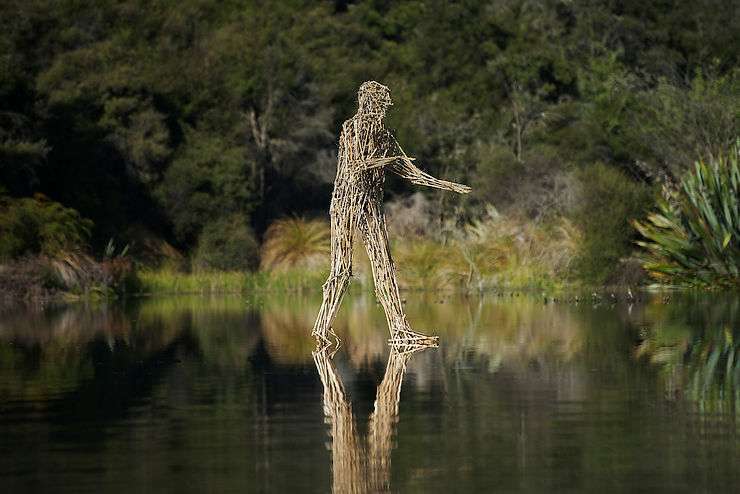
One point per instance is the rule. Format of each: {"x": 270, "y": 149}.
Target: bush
{"x": 227, "y": 244}
{"x": 38, "y": 225}
{"x": 494, "y": 251}
{"x": 69, "y": 273}
{"x": 677, "y": 122}
{"x": 608, "y": 200}
{"x": 293, "y": 242}
{"x": 694, "y": 237}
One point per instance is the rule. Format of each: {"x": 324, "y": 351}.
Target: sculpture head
{"x": 374, "y": 99}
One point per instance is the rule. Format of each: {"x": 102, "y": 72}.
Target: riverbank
{"x": 34, "y": 282}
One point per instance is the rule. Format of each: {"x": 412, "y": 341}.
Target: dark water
{"x": 224, "y": 395}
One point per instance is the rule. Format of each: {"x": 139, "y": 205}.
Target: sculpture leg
{"x": 375, "y": 237}
{"x": 341, "y": 271}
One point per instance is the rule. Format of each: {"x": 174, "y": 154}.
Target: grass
{"x": 295, "y": 242}
{"x": 173, "y": 282}
{"x": 495, "y": 252}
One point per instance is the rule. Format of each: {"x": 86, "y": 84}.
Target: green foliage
{"x": 165, "y": 118}
{"x": 171, "y": 282}
{"x": 206, "y": 180}
{"x": 606, "y": 203}
{"x": 675, "y": 122}
{"x": 140, "y": 133}
{"x": 39, "y": 226}
{"x": 227, "y": 245}
{"x": 424, "y": 264}
{"x": 493, "y": 252}
{"x": 694, "y": 237}
{"x": 20, "y": 154}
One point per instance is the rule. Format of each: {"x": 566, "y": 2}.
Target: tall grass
{"x": 294, "y": 242}
{"x": 294, "y": 256}
{"x": 694, "y": 237}
{"x": 495, "y": 251}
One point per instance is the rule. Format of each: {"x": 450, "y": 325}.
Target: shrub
{"x": 38, "y": 225}
{"x": 608, "y": 200}
{"x": 494, "y": 251}
{"x": 678, "y": 121}
{"x": 292, "y": 242}
{"x": 423, "y": 264}
{"x": 151, "y": 250}
{"x": 227, "y": 244}
{"x": 694, "y": 237}
{"x": 507, "y": 250}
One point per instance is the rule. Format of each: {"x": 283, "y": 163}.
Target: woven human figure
{"x": 366, "y": 149}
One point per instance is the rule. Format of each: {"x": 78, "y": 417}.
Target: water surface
{"x": 196, "y": 394}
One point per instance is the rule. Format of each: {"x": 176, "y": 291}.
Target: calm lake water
{"x": 196, "y": 394}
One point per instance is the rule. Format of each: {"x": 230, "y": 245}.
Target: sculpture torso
{"x": 363, "y": 138}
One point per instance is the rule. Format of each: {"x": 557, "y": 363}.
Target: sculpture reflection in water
{"x": 357, "y": 465}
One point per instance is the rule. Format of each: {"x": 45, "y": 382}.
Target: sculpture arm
{"x": 403, "y": 166}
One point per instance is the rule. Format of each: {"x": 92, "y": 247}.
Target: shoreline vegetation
{"x": 192, "y": 148}
{"x": 152, "y": 283}
{"x": 691, "y": 241}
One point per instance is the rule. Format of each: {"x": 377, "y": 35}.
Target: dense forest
{"x": 193, "y": 125}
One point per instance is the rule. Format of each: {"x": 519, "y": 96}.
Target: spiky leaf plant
{"x": 292, "y": 242}
{"x": 694, "y": 237}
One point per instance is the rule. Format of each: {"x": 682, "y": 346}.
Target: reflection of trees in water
{"x": 98, "y": 381}
{"x": 49, "y": 351}
{"x": 55, "y": 347}
{"x": 360, "y": 323}
{"x": 284, "y": 328}
{"x": 357, "y": 465}
{"x": 518, "y": 332}
{"x": 696, "y": 344}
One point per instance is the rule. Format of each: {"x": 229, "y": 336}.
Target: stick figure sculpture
{"x": 366, "y": 148}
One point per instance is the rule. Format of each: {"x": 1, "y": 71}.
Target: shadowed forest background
{"x": 197, "y": 136}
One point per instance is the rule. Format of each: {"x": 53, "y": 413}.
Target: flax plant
{"x": 694, "y": 237}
